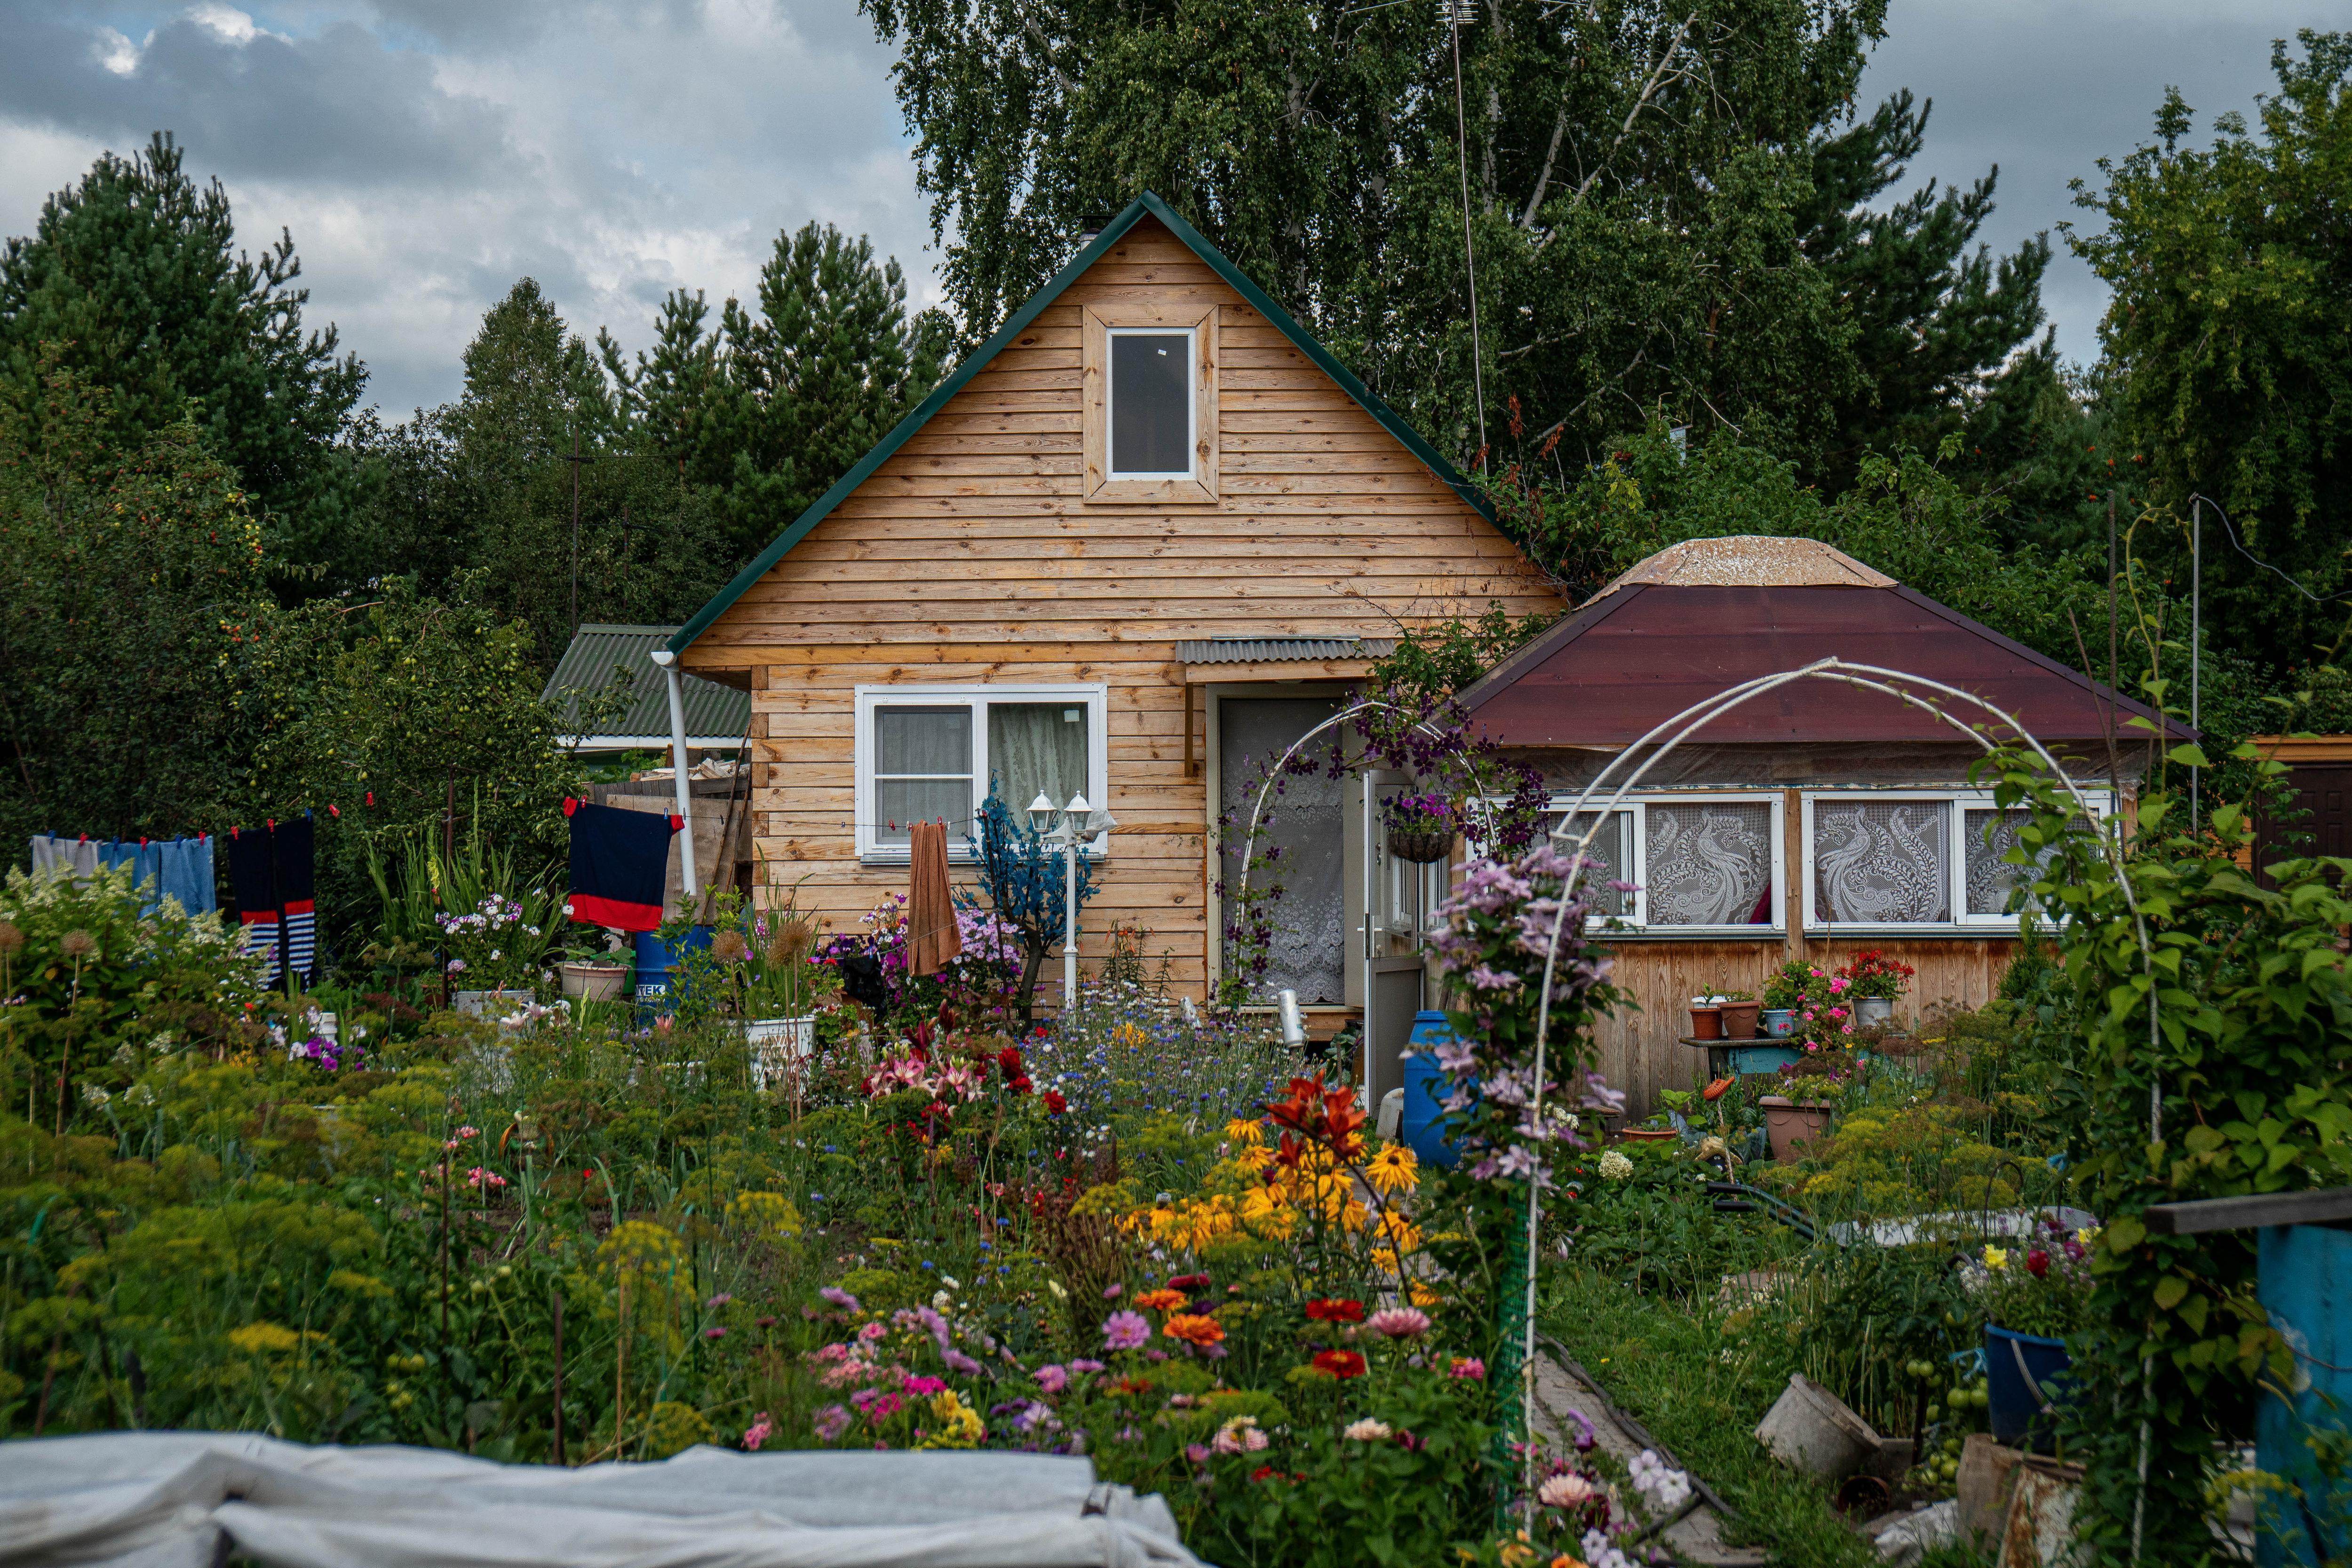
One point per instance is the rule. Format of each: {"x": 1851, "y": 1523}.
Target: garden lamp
{"x": 1041, "y": 813}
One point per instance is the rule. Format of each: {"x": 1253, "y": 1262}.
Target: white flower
{"x": 1368, "y": 1431}
{"x": 951, "y": 1281}
{"x": 1056, "y": 1286}
{"x": 1615, "y": 1167}
{"x": 1565, "y": 1491}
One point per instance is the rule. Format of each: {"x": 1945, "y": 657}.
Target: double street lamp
{"x": 1067, "y": 826}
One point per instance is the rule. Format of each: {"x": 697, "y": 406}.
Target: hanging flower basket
{"x": 1422, "y": 846}
{"x": 1420, "y": 827}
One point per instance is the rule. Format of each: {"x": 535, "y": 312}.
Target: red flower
{"x": 2037, "y": 1263}
{"x": 1335, "y": 1309}
{"x": 1261, "y": 1472}
{"x": 1009, "y": 1059}
{"x": 1054, "y": 1103}
{"x": 1189, "y": 1282}
{"x": 1020, "y": 1085}
{"x": 1340, "y": 1364}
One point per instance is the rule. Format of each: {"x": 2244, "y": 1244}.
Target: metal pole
{"x": 1469, "y": 252}
{"x": 668, "y": 662}
{"x": 1069, "y": 913}
{"x": 2196, "y": 629}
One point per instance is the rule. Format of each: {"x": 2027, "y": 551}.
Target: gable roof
{"x": 1645, "y": 650}
{"x": 716, "y": 715}
{"x": 1750, "y": 561}
{"x": 1145, "y": 206}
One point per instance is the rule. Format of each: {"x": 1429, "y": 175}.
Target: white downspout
{"x": 668, "y": 662}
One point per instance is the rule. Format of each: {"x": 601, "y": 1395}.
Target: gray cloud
{"x": 2046, "y": 88}
{"x": 426, "y": 152}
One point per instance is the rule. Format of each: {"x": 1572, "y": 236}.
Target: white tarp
{"x": 193, "y": 1500}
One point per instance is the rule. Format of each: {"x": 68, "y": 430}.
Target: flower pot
{"x": 2027, "y": 1380}
{"x": 1739, "y": 1020}
{"x": 775, "y": 1044}
{"x": 595, "y": 982}
{"x": 1777, "y": 1023}
{"x": 1873, "y": 1010}
{"x": 1706, "y": 1023}
{"x": 1794, "y": 1128}
{"x": 1422, "y": 846}
{"x": 1647, "y": 1135}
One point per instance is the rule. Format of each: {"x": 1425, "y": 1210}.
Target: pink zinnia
{"x": 762, "y": 1428}
{"x": 1125, "y": 1331}
{"x": 1400, "y": 1323}
{"x": 924, "y": 1386}
{"x": 1052, "y": 1379}
{"x": 1468, "y": 1367}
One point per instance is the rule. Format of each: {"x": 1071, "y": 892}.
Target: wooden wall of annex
{"x": 968, "y": 557}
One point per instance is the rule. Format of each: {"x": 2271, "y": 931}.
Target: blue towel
{"x": 146, "y": 864}
{"x": 187, "y": 873}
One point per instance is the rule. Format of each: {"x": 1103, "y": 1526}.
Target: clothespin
{"x": 270, "y": 822}
{"x": 234, "y": 832}
{"x": 570, "y": 804}
{"x": 333, "y": 811}
{"x": 370, "y": 797}
{"x": 142, "y": 841}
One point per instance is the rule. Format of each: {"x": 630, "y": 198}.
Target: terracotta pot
{"x": 1794, "y": 1128}
{"x": 1739, "y": 1020}
{"x": 1706, "y": 1023}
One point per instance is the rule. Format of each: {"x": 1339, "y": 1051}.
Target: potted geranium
{"x": 2036, "y": 1294}
{"x": 1420, "y": 827}
{"x": 1873, "y": 982}
{"x": 493, "y": 954}
{"x": 1784, "y": 995}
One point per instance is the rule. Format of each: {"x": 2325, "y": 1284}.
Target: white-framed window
{"x": 1908, "y": 860}
{"x": 1702, "y": 863}
{"x": 932, "y": 753}
{"x": 1151, "y": 414}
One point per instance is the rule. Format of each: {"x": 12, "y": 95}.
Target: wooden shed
{"x": 1814, "y": 822}
{"x": 1149, "y": 531}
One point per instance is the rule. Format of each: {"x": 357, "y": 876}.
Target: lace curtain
{"x": 1037, "y": 747}
{"x": 1990, "y": 836}
{"x": 922, "y": 769}
{"x": 1611, "y": 859}
{"x": 1308, "y": 953}
{"x": 1708, "y": 864}
{"x": 1882, "y": 863}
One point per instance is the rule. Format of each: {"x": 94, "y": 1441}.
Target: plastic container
{"x": 1812, "y": 1430}
{"x": 656, "y": 964}
{"x": 1749, "y": 1061}
{"x": 2026, "y": 1379}
{"x": 1739, "y": 1020}
{"x": 1779, "y": 1023}
{"x": 1422, "y": 1125}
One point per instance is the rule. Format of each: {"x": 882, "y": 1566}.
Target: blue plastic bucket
{"x": 2019, "y": 1418}
{"x": 657, "y": 961}
{"x": 1422, "y": 1125}
{"x": 1751, "y": 1060}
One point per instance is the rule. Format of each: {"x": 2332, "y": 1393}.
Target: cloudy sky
{"x": 427, "y": 152}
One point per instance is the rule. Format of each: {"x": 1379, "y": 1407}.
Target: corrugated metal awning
{"x": 1277, "y": 650}
{"x": 715, "y": 714}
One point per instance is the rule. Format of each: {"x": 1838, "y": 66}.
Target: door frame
{"x": 1212, "y": 779}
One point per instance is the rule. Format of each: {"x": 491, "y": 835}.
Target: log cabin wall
{"x": 968, "y": 557}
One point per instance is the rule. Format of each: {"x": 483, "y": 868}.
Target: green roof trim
{"x": 1147, "y": 203}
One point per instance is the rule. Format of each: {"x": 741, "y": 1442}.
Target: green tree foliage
{"x": 1663, "y": 198}
{"x": 485, "y": 485}
{"x": 134, "y": 274}
{"x": 771, "y": 408}
{"x": 2230, "y": 338}
{"x": 127, "y": 558}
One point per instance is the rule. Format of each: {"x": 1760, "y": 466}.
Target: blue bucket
{"x": 2017, "y": 1410}
{"x": 1422, "y": 1125}
{"x": 1747, "y": 1060}
{"x": 657, "y": 962}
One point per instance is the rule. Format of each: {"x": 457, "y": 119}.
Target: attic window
{"x": 1149, "y": 413}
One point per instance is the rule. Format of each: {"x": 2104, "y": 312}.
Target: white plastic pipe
{"x": 668, "y": 662}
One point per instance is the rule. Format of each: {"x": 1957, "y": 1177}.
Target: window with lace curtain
{"x": 1907, "y": 859}
{"x": 1697, "y": 863}
{"x": 934, "y": 753}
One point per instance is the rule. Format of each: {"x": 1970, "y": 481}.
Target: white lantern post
{"x": 1066, "y": 825}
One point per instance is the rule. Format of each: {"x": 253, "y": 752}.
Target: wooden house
{"x": 1147, "y": 532}
{"x": 1819, "y": 819}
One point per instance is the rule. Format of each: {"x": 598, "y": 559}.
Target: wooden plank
{"x": 2322, "y": 1206}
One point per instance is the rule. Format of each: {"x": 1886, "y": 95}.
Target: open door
{"x": 1398, "y": 897}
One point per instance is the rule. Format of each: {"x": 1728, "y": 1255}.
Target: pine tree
{"x": 134, "y": 278}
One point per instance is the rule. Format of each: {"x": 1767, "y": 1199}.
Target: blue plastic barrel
{"x": 2016, "y": 1407}
{"x": 657, "y": 961}
{"x": 1422, "y": 1125}
{"x": 2306, "y": 1288}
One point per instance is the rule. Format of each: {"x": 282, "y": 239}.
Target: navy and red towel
{"x": 270, "y": 871}
{"x": 620, "y": 864}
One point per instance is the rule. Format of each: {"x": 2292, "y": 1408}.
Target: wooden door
{"x": 2316, "y": 819}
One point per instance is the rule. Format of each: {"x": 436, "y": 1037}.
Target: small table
{"x": 1743, "y": 1058}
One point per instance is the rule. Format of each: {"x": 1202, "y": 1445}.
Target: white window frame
{"x": 1962, "y": 801}
{"x": 1637, "y": 922}
{"x": 1191, "y": 468}
{"x": 1094, "y": 696}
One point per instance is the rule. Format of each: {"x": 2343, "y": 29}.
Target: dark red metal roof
{"x": 1640, "y": 655}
